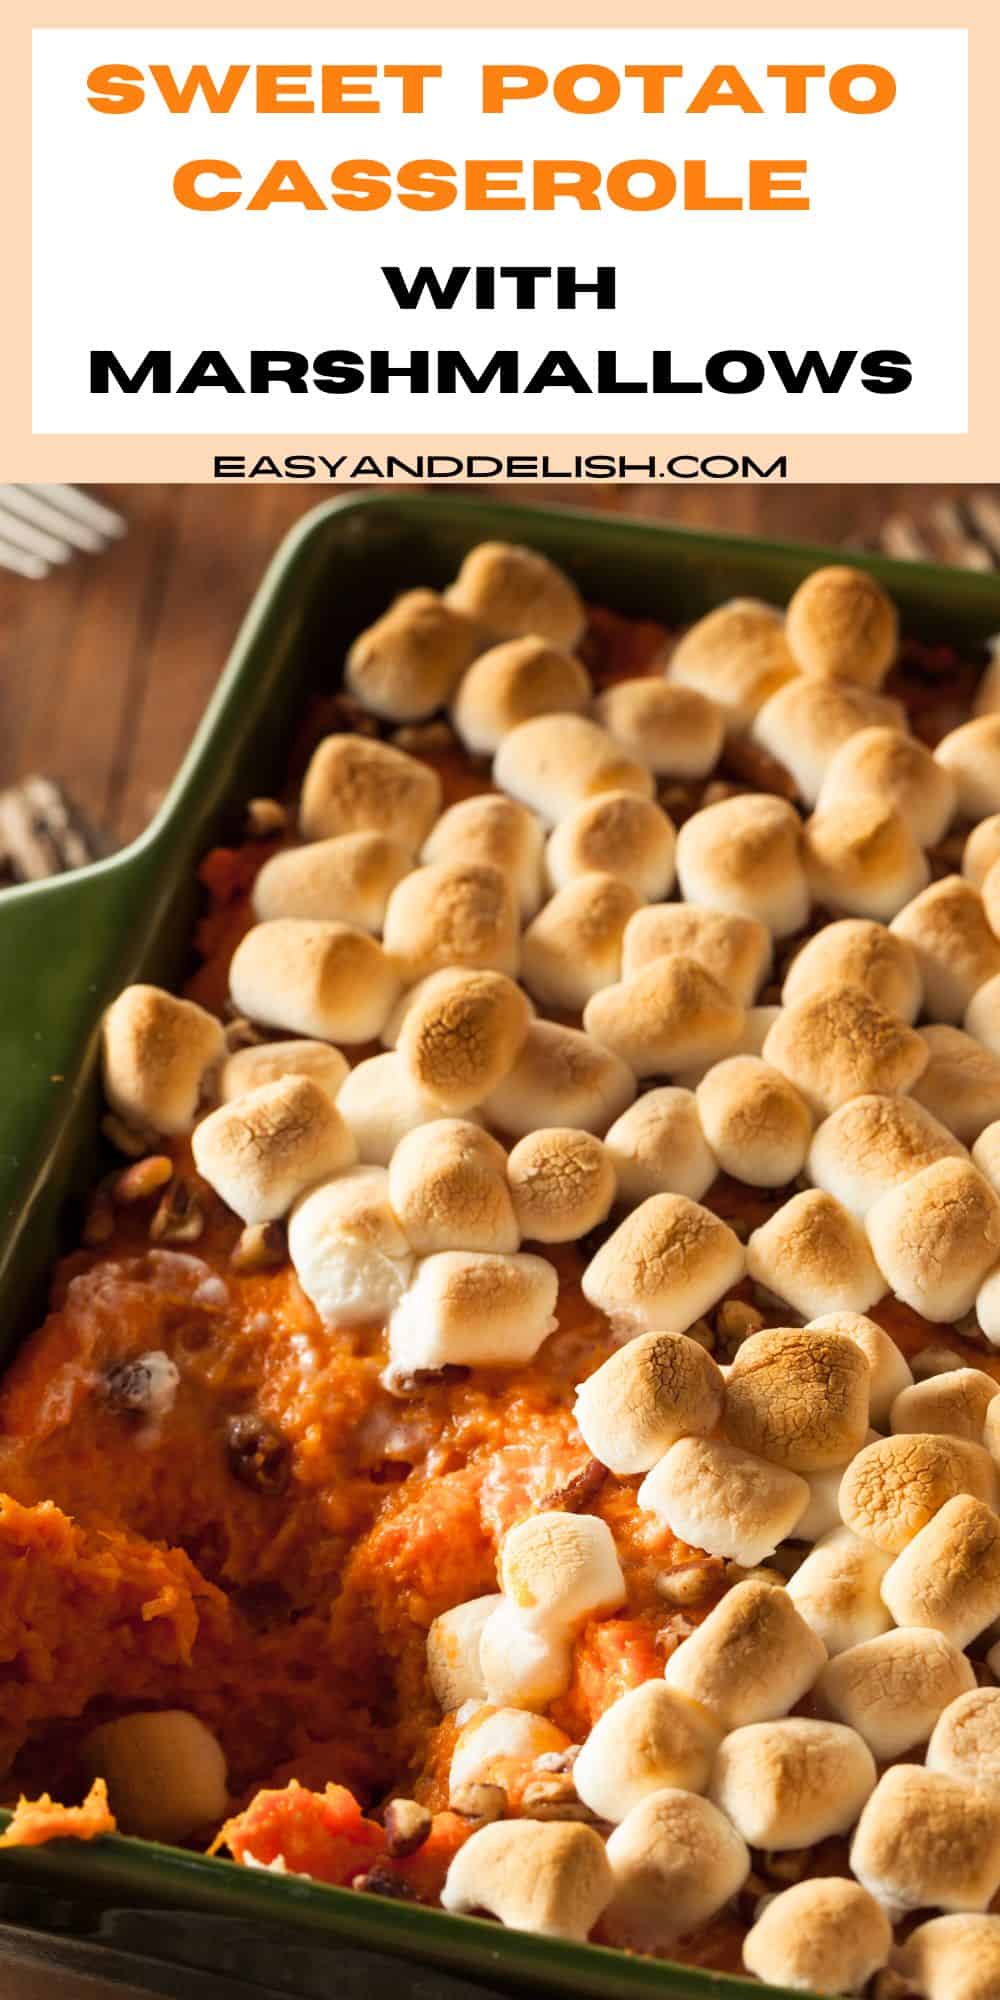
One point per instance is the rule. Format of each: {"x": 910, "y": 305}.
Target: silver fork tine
{"x": 83, "y": 507}
{"x": 21, "y": 562}
{"x": 27, "y": 504}
{"x": 32, "y": 540}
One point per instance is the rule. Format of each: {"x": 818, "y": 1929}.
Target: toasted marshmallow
{"x": 735, "y": 950}
{"x": 266, "y": 1148}
{"x": 562, "y": 1183}
{"x": 966, "y": 1739}
{"x": 841, "y": 626}
{"x": 454, "y": 1668}
{"x": 462, "y": 1034}
{"x": 665, "y": 1265}
{"x": 165, "y": 1772}
{"x": 814, "y": 1254}
{"x": 555, "y": 762}
{"x": 667, "y": 1018}
{"x": 720, "y": 1499}
{"x": 951, "y": 1405}
{"x": 405, "y": 665}
{"x": 347, "y": 879}
{"x": 675, "y": 730}
{"x": 266, "y": 1062}
{"x": 743, "y": 857}
{"x": 512, "y": 683}
{"x": 862, "y": 857}
{"x": 497, "y": 1744}
{"x": 676, "y": 1862}
{"x": 895, "y": 1486}
{"x": 927, "y": 1841}
{"x": 448, "y": 1186}
{"x": 561, "y": 1077}
{"x": 840, "y": 1044}
{"x": 757, "y": 1025}
{"x": 349, "y": 1253}
{"x": 895, "y": 768}
{"x": 452, "y": 913}
{"x": 956, "y": 949}
{"x": 874, "y": 1143}
{"x": 822, "y": 1515}
{"x": 948, "y": 1577}
{"x": 472, "y": 1308}
{"x": 838, "y": 1591}
{"x": 357, "y": 785}
{"x": 157, "y": 1055}
{"x": 952, "y": 1958}
{"x": 499, "y": 832}
{"x": 889, "y": 1372}
{"x": 824, "y": 1935}
{"x": 381, "y": 1103}
{"x": 650, "y": 1738}
{"x": 755, "y": 1121}
{"x": 961, "y": 1083}
{"x": 658, "y": 1146}
{"x": 557, "y": 1570}
{"x": 751, "y": 1659}
{"x": 797, "y": 1397}
{"x": 574, "y": 946}
{"x": 657, "y": 1388}
{"x": 792, "y": 1783}
{"x": 971, "y": 754}
{"x": 804, "y": 725}
{"x": 982, "y": 1015}
{"x": 551, "y": 1877}
{"x": 981, "y": 849}
{"x": 737, "y": 656}
{"x": 325, "y": 980}
{"x": 892, "y": 1689}
{"x": 511, "y": 592}
{"x": 523, "y": 1665}
{"x": 620, "y": 834}
{"x": 936, "y": 1237}
{"x": 857, "y": 952}
{"x": 986, "y": 1153}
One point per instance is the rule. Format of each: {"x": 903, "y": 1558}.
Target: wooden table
{"x": 106, "y": 666}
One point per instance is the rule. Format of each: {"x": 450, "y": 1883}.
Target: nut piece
{"x": 670, "y": 1017}
{"x": 258, "y": 1455}
{"x": 966, "y": 1739}
{"x": 407, "y": 1826}
{"x": 755, "y": 1121}
{"x": 551, "y": 1877}
{"x": 805, "y": 723}
{"x": 447, "y": 1184}
{"x": 405, "y": 665}
{"x": 355, "y": 785}
{"x": 347, "y": 879}
{"x": 264, "y": 1149}
{"x": 454, "y": 1668}
{"x": 557, "y": 1570}
{"x": 742, "y": 856}
{"x": 620, "y": 834}
{"x": 821, "y": 1936}
{"x": 511, "y": 592}
{"x": 658, "y": 1146}
{"x": 324, "y": 980}
{"x": 792, "y": 1783}
{"x": 837, "y": 1590}
{"x": 452, "y": 913}
{"x": 722, "y": 1500}
{"x": 267, "y": 1062}
{"x": 473, "y": 1308}
{"x": 927, "y": 1841}
{"x": 675, "y": 730}
{"x": 157, "y": 1053}
{"x": 650, "y": 1738}
{"x": 561, "y": 1077}
{"x": 874, "y": 1143}
{"x": 657, "y": 1388}
{"x": 499, "y": 832}
{"x": 842, "y": 626}
{"x": 815, "y": 1255}
{"x": 840, "y": 1043}
{"x": 737, "y": 656}
{"x": 896, "y": 1485}
{"x": 936, "y": 1237}
{"x": 574, "y": 946}
{"x": 955, "y": 947}
{"x": 735, "y": 950}
{"x": 676, "y": 1862}
{"x": 555, "y": 761}
{"x": 512, "y": 683}
{"x": 961, "y": 1083}
{"x": 562, "y": 1183}
{"x": 862, "y": 857}
{"x": 857, "y": 952}
{"x": 893, "y": 1688}
{"x": 165, "y": 1773}
{"x": 665, "y": 1265}
{"x": 461, "y": 1035}
{"x": 751, "y": 1660}
{"x": 892, "y": 766}
{"x": 952, "y": 1958}
{"x": 798, "y": 1398}
{"x": 948, "y": 1577}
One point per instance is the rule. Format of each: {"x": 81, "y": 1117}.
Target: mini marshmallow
{"x": 895, "y": 1486}
{"x": 574, "y": 946}
{"x": 348, "y": 1251}
{"x": 559, "y": 1569}
{"x": 927, "y": 1841}
{"x": 561, "y": 1077}
{"x": 952, "y": 1958}
{"x": 667, "y": 1018}
{"x": 165, "y": 1772}
{"x": 966, "y": 1739}
{"x": 665, "y": 1265}
{"x": 512, "y": 683}
{"x": 266, "y": 1062}
{"x": 497, "y": 1744}
{"x": 824, "y": 1935}
{"x": 892, "y": 1689}
{"x": 971, "y": 754}
{"x": 499, "y": 832}
{"x": 842, "y": 626}
{"x": 735, "y": 950}
{"x": 961, "y": 1083}
{"x": 792, "y": 1783}
{"x": 555, "y": 761}
{"x": 676, "y": 1862}
{"x": 798, "y": 1398}
{"x": 813, "y": 1254}
{"x": 755, "y": 1121}
{"x": 472, "y": 1308}
{"x": 986, "y": 1153}
{"x": 982, "y": 1015}
{"x": 355, "y": 784}
{"x": 951, "y": 1405}
{"x": 804, "y": 725}
{"x": 447, "y": 1182}
{"x": 948, "y": 1578}
{"x": 512, "y": 592}
{"x": 981, "y": 849}
{"x": 157, "y": 1054}
{"x": 551, "y": 1877}
{"x": 822, "y": 1515}
{"x": 837, "y": 1590}
{"x": 620, "y": 834}
{"x": 955, "y": 947}
{"x": 347, "y": 879}
{"x": 889, "y": 1372}
{"x": 862, "y": 858}
{"x": 751, "y": 1659}
{"x": 657, "y": 1388}
{"x": 405, "y": 665}
{"x": 523, "y": 1665}
{"x": 452, "y": 913}
{"x": 894, "y": 767}
{"x": 936, "y": 1237}
{"x": 462, "y": 1034}
{"x": 650, "y": 1738}
{"x": 324, "y": 980}
{"x": 267, "y": 1147}
{"x": 658, "y": 1146}
{"x": 857, "y": 952}
{"x": 872, "y": 1144}
{"x": 757, "y": 1025}
{"x": 675, "y": 730}
{"x": 737, "y": 656}
{"x": 840, "y": 1044}
{"x": 743, "y": 857}
{"x": 723, "y": 1500}
{"x": 381, "y": 1103}
{"x": 454, "y": 1668}
{"x": 562, "y": 1184}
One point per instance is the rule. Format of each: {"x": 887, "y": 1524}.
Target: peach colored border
{"x": 973, "y": 457}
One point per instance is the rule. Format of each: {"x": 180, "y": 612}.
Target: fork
{"x": 964, "y": 533}
{"x": 41, "y": 526}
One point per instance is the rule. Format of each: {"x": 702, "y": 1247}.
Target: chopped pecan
{"x": 258, "y": 1455}
{"x": 381, "y": 1880}
{"x": 179, "y": 1217}
{"x": 265, "y": 819}
{"x": 576, "y": 1492}
{"x": 484, "y": 1802}
{"x": 261, "y": 1246}
{"x": 407, "y": 1826}
{"x": 143, "y": 1178}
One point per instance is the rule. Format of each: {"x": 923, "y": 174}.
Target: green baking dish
{"x": 67, "y": 946}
